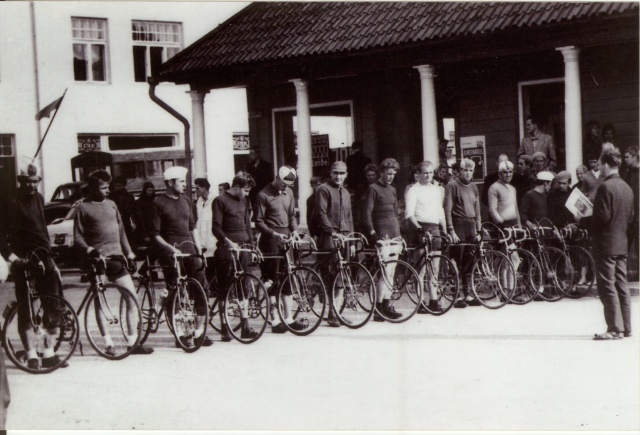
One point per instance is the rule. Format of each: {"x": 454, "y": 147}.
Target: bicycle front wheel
{"x": 48, "y": 325}
{"x": 246, "y": 308}
{"x": 113, "y": 321}
{"x": 353, "y": 295}
{"x": 528, "y": 277}
{"x": 402, "y": 285}
{"x": 584, "y": 271}
{"x": 440, "y": 277}
{"x": 302, "y": 295}
{"x": 557, "y": 274}
{"x": 189, "y": 315}
{"x": 493, "y": 279}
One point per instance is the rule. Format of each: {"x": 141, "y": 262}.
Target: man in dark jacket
{"x": 356, "y": 164}
{"x": 612, "y": 214}
{"x": 261, "y": 172}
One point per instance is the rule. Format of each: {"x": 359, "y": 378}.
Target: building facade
{"x": 101, "y": 53}
{"x": 405, "y": 75}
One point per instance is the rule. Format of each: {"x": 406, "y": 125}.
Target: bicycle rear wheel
{"x": 308, "y": 300}
{"x": 557, "y": 274}
{"x": 246, "y": 308}
{"x": 353, "y": 295}
{"x": 53, "y": 328}
{"x": 445, "y": 280}
{"x": 189, "y": 315}
{"x": 528, "y": 277}
{"x": 493, "y": 279}
{"x": 113, "y": 321}
{"x": 584, "y": 271}
{"x": 405, "y": 288}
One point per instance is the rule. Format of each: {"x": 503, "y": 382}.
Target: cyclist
{"x": 172, "y": 223}
{"x": 381, "y": 221}
{"x": 99, "y": 230}
{"x": 534, "y": 203}
{"x": 23, "y": 231}
{"x": 462, "y": 213}
{"x": 425, "y": 213}
{"x": 232, "y": 227}
{"x": 333, "y": 213}
{"x": 276, "y": 220}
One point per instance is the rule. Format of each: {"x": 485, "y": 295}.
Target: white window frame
{"x": 159, "y": 39}
{"x": 521, "y": 85}
{"x": 12, "y": 144}
{"x": 88, "y": 41}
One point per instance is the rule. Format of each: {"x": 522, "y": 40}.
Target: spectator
{"x": 612, "y": 215}
{"x": 260, "y": 171}
{"x": 442, "y": 176}
{"x": 455, "y": 170}
{"x": 536, "y": 141}
{"x": 523, "y": 178}
{"x": 608, "y": 134}
{"x": 591, "y": 180}
{"x": 591, "y": 142}
{"x": 125, "y": 202}
{"x": 223, "y": 187}
{"x": 141, "y": 209}
{"x": 559, "y": 215}
{"x": 356, "y": 164}
{"x": 371, "y": 176}
{"x": 311, "y": 206}
{"x": 492, "y": 178}
{"x": 631, "y": 177}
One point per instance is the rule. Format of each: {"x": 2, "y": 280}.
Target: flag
{"x": 44, "y": 113}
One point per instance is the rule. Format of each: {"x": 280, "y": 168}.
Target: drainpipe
{"x": 34, "y": 42}
{"x": 187, "y": 141}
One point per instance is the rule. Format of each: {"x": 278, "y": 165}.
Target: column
{"x": 429, "y": 117}
{"x": 197, "y": 127}
{"x": 305, "y": 167}
{"x": 572, "y": 108}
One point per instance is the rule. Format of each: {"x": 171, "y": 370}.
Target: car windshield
{"x": 64, "y": 193}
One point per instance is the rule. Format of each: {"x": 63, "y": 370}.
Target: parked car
{"x": 63, "y": 199}
{"x": 61, "y": 239}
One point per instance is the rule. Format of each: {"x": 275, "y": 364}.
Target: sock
{"x": 108, "y": 341}
{"x": 32, "y": 354}
{"x": 48, "y": 353}
{"x": 131, "y": 339}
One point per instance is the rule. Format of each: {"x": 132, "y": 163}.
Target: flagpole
{"x": 49, "y": 126}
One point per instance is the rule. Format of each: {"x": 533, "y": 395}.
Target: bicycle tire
{"x": 581, "y": 257}
{"x": 447, "y": 282}
{"x": 309, "y": 299}
{"x": 528, "y": 278}
{"x": 184, "y": 319}
{"x": 111, "y": 300}
{"x": 406, "y": 290}
{"x": 557, "y": 274}
{"x": 146, "y": 297}
{"x": 489, "y": 274}
{"x": 66, "y": 338}
{"x": 214, "y": 313}
{"x": 355, "y": 308}
{"x": 257, "y": 307}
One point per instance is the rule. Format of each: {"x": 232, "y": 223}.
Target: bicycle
{"x": 246, "y": 302}
{"x": 353, "y": 291}
{"x": 493, "y": 276}
{"x": 396, "y": 277}
{"x": 556, "y": 266}
{"x": 179, "y": 306}
{"x": 443, "y": 283}
{"x": 50, "y": 324}
{"x": 108, "y": 322}
{"x": 584, "y": 267}
{"x": 302, "y": 287}
{"x": 527, "y": 268}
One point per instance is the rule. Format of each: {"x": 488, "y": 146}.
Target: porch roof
{"x": 273, "y": 32}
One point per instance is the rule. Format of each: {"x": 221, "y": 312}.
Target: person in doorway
{"x": 536, "y": 141}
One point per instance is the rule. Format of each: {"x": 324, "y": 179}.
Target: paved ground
{"x": 533, "y": 367}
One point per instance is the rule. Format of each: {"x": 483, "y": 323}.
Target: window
{"x": 154, "y": 43}
{"x": 6, "y": 145}
{"x": 89, "y": 49}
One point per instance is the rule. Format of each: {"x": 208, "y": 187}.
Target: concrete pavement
{"x": 530, "y": 367}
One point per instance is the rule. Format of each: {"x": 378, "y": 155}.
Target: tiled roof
{"x": 273, "y": 31}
